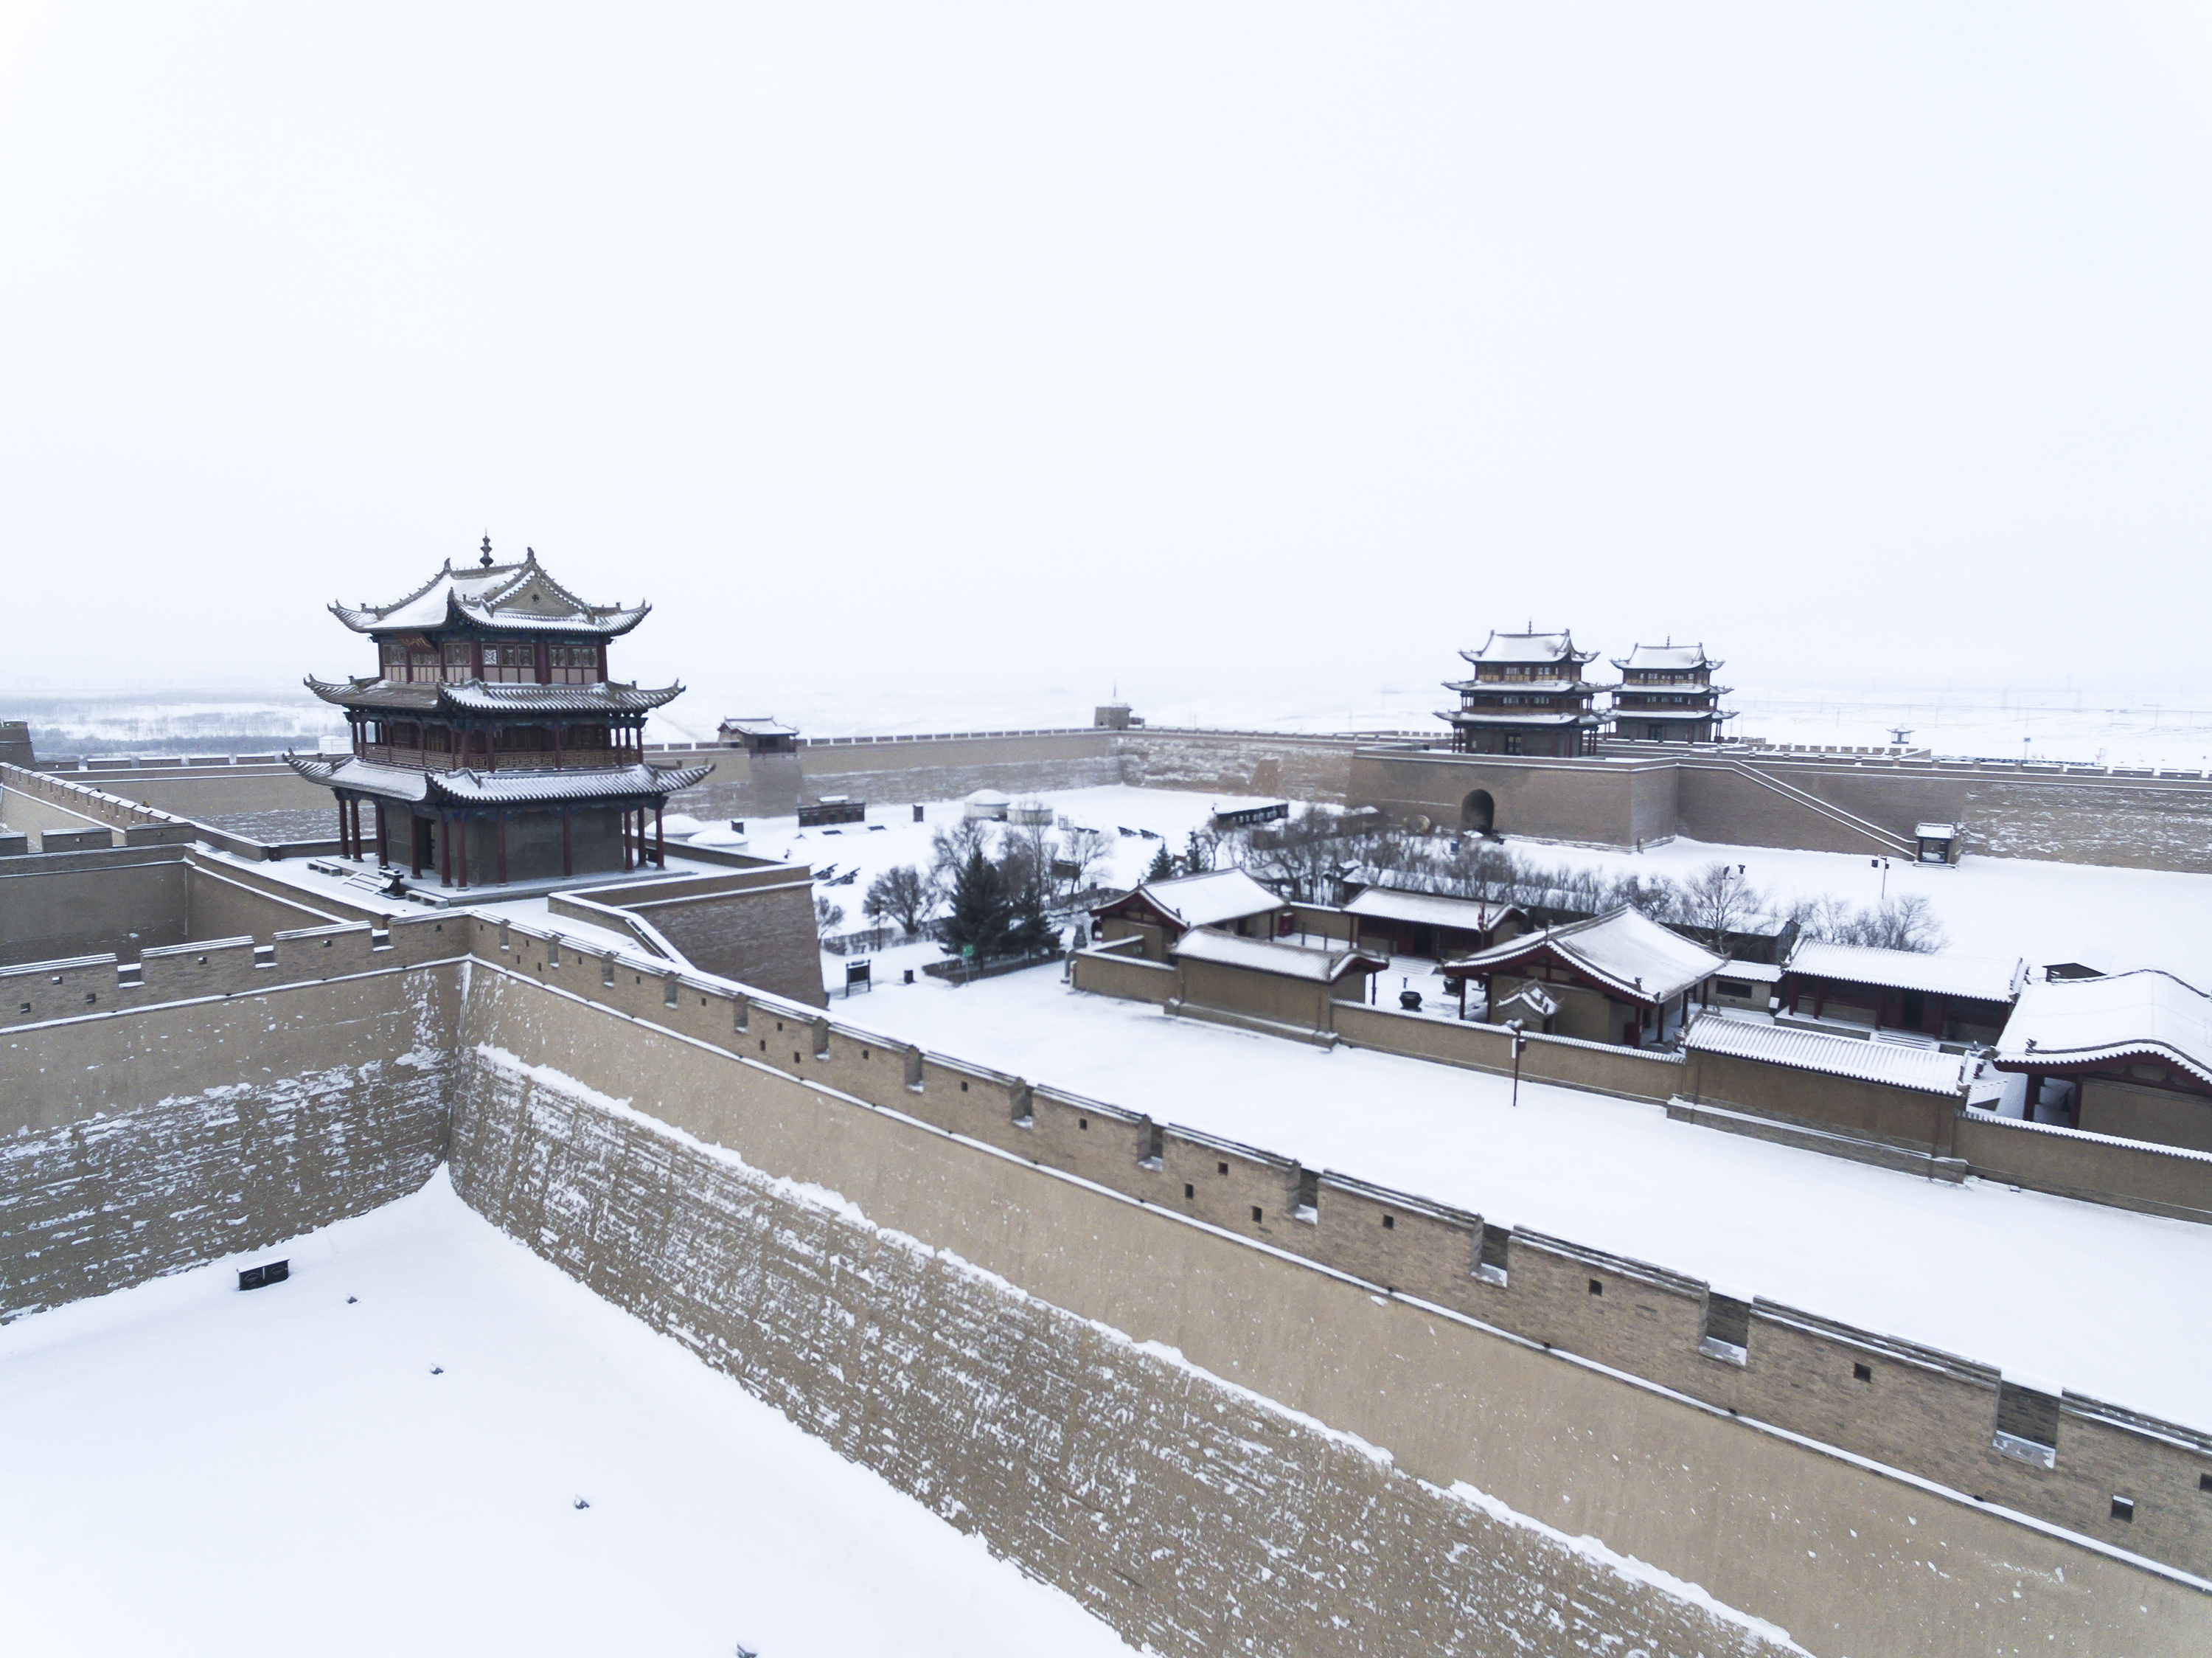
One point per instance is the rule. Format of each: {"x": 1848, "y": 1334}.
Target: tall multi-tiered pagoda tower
{"x": 1666, "y": 694}
{"x": 490, "y": 740}
{"x": 1527, "y": 697}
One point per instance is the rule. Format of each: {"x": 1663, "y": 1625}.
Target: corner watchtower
{"x": 492, "y": 737}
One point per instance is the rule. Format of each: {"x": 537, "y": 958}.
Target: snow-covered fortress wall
{"x": 215, "y": 1098}
{"x": 1597, "y": 1415}
{"x": 2078, "y": 815}
{"x": 1192, "y": 1514}
{"x": 1212, "y": 1393}
{"x": 1646, "y": 792}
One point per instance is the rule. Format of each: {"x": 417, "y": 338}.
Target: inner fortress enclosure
{"x": 1231, "y": 1293}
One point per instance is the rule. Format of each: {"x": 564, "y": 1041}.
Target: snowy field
{"x": 2030, "y": 1283}
{"x": 2113, "y": 726}
{"x": 191, "y": 1470}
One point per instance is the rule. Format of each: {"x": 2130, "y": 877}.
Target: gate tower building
{"x": 1666, "y": 694}
{"x": 491, "y": 740}
{"x": 1527, "y": 697}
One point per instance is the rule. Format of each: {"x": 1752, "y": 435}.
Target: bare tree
{"x": 829, "y": 916}
{"x": 1719, "y": 903}
{"x": 901, "y": 894}
{"x": 1084, "y": 850}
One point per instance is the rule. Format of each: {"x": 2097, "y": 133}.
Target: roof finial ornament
{"x": 486, "y": 559}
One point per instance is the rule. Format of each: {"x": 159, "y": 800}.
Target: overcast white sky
{"x": 1002, "y": 352}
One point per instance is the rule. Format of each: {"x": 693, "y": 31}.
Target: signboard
{"x": 1244, "y": 816}
{"x": 857, "y": 977}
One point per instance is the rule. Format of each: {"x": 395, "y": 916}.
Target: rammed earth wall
{"x": 1193, "y": 1516}
{"x": 138, "y": 1144}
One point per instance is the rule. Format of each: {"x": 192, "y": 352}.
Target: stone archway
{"x": 1478, "y": 814}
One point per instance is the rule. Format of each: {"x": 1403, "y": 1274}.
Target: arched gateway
{"x": 1478, "y": 814}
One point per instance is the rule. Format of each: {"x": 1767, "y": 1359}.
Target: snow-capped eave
{"x": 2053, "y": 1061}
{"x": 474, "y": 697}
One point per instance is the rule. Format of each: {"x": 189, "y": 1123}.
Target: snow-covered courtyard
{"x": 2027, "y": 1282}
{"x": 1990, "y": 906}
{"x": 391, "y": 1453}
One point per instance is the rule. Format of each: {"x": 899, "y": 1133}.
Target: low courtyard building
{"x": 1161, "y": 911}
{"x": 1952, "y": 998}
{"x": 1619, "y": 978}
{"x": 1282, "y": 984}
{"x": 1429, "y": 924}
{"x": 2136, "y": 1047}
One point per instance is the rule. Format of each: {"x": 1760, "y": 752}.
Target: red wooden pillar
{"x": 461, "y": 853}
{"x": 625, "y": 839}
{"x": 660, "y": 841}
{"x": 567, "y": 854}
{"x": 414, "y": 848}
{"x": 342, "y": 833}
{"x": 383, "y": 837}
{"x": 443, "y": 830}
{"x": 499, "y": 846}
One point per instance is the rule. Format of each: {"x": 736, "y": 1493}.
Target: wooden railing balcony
{"x": 508, "y": 759}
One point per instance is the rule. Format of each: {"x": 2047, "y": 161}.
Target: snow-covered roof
{"x": 1928, "y": 1071}
{"x": 1664, "y": 659}
{"x": 989, "y": 798}
{"x": 760, "y": 728}
{"x": 496, "y": 597}
{"x": 1529, "y": 648}
{"x": 465, "y": 786}
{"x": 1623, "y": 949}
{"x": 475, "y": 697}
{"x": 1663, "y": 714}
{"x": 1936, "y": 831}
{"x": 1428, "y": 909}
{"x": 2082, "y": 1022}
{"x": 1762, "y": 972}
{"x": 1499, "y": 716}
{"x": 1209, "y": 899}
{"x": 1979, "y": 978}
{"x": 1264, "y": 955}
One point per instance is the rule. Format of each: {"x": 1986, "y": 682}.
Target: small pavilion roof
{"x": 466, "y": 786}
{"x": 475, "y": 697}
{"x": 2145, "y": 1013}
{"x": 519, "y": 598}
{"x": 1664, "y": 659}
{"x": 1631, "y": 954}
{"x": 1265, "y": 956}
{"x": 1975, "y": 978}
{"x": 1536, "y": 647}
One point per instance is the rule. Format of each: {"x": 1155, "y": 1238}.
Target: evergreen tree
{"x": 980, "y": 906}
{"x": 1163, "y": 865}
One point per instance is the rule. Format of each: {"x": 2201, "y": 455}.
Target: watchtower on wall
{"x": 491, "y": 737}
{"x": 1527, "y": 697}
{"x": 1666, "y": 694}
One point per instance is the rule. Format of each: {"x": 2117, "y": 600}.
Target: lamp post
{"x": 1883, "y": 865}
{"x": 1519, "y": 1041}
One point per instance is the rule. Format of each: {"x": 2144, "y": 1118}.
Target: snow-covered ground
{"x": 2030, "y": 1282}
{"x": 1988, "y": 906}
{"x": 192, "y": 1470}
